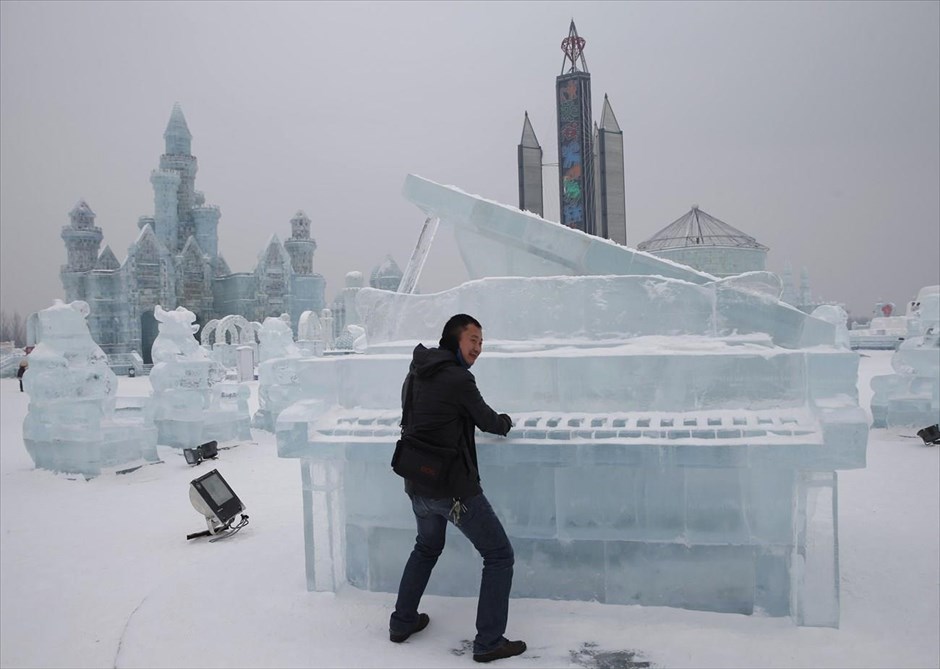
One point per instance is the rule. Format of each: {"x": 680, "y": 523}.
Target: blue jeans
{"x": 480, "y": 525}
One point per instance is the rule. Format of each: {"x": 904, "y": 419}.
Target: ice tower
{"x": 677, "y": 435}
{"x": 575, "y": 139}
{"x": 300, "y": 246}
{"x": 82, "y": 239}
{"x": 590, "y": 165}
{"x": 530, "y": 170}
{"x": 608, "y": 171}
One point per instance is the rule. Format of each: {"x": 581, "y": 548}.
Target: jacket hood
{"x": 426, "y": 362}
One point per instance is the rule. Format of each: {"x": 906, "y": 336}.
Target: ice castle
{"x": 175, "y": 261}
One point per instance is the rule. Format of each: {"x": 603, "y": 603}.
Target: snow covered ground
{"x": 99, "y": 574}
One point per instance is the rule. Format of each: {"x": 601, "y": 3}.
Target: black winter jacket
{"x": 445, "y": 409}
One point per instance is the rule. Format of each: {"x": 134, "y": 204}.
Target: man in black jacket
{"x": 446, "y": 407}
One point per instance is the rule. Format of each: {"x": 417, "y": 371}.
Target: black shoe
{"x": 508, "y": 649}
{"x": 423, "y": 620}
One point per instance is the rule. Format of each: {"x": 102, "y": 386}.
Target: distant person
{"x": 21, "y": 370}
{"x": 446, "y": 406}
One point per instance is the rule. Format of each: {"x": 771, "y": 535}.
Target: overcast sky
{"x": 812, "y": 126}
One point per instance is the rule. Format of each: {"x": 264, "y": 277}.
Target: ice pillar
{"x": 815, "y": 573}
{"x": 324, "y": 524}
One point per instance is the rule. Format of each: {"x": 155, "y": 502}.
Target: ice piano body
{"x": 676, "y": 441}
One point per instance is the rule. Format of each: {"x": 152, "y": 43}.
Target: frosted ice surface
{"x": 591, "y": 308}
{"x": 353, "y": 338}
{"x": 757, "y": 282}
{"x": 71, "y": 425}
{"x": 676, "y": 441}
{"x": 833, "y": 313}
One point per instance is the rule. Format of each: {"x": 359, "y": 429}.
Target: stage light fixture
{"x": 930, "y": 435}
{"x": 208, "y": 450}
{"x": 213, "y": 497}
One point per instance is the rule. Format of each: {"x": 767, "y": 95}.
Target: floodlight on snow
{"x": 214, "y": 498}
{"x": 208, "y": 450}
{"x": 930, "y": 435}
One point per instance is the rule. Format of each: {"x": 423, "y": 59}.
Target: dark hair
{"x": 450, "y": 335}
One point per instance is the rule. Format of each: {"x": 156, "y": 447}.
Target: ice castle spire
{"x": 82, "y": 238}
{"x": 806, "y": 295}
{"x": 174, "y": 190}
{"x": 301, "y": 247}
{"x": 177, "y": 136}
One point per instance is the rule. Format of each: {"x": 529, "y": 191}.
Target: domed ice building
{"x": 705, "y": 243}
{"x": 386, "y": 275}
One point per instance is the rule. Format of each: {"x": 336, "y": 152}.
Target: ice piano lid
{"x": 530, "y": 277}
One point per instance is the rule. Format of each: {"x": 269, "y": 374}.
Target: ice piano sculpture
{"x": 676, "y": 441}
